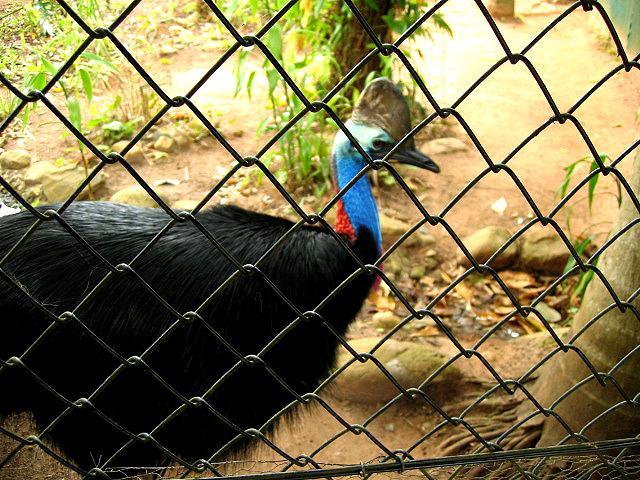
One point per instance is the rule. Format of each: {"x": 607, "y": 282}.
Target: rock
{"x": 392, "y": 228}
{"x": 15, "y": 159}
{"x": 430, "y": 263}
{"x": 393, "y": 265}
{"x": 182, "y": 140}
{"x": 182, "y": 205}
{"x": 417, "y": 272}
{"x": 6, "y": 210}
{"x": 386, "y": 320}
{"x": 136, "y": 195}
{"x": 167, "y": 50}
{"x": 484, "y": 243}
{"x": 409, "y": 363}
{"x": 37, "y": 171}
{"x": 550, "y": 314}
{"x": 164, "y": 143}
{"x": 442, "y": 146}
{"x": 197, "y": 128}
{"x": 60, "y": 185}
{"x": 501, "y": 8}
{"x": 133, "y": 156}
{"x": 420, "y": 239}
{"x": 543, "y": 251}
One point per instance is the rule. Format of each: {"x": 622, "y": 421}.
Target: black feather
{"x": 184, "y": 268}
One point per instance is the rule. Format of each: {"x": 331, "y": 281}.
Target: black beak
{"x": 412, "y": 156}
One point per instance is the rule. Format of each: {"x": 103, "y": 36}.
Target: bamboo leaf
{"x": 50, "y": 67}
{"x": 252, "y": 75}
{"x": 75, "y": 115}
{"x": 593, "y": 182}
{"x": 99, "y": 59}
{"x": 87, "y": 84}
{"x": 38, "y": 81}
{"x": 569, "y": 169}
{"x": 580, "y": 249}
{"x": 273, "y": 40}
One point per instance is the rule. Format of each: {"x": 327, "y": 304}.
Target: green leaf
{"x": 87, "y": 85}
{"x": 567, "y": 178}
{"x": 593, "y": 181}
{"x": 273, "y": 40}
{"x": 272, "y": 77}
{"x": 38, "y": 81}
{"x": 441, "y": 23}
{"x": 74, "y": 112}
{"x": 580, "y": 249}
{"x": 252, "y": 75}
{"x": 583, "y": 283}
{"x": 99, "y": 59}
{"x": 49, "y": 67}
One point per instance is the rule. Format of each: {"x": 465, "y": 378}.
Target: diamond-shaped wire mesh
{"x": 253, "y": 371}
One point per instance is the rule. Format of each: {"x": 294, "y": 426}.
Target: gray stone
{"x": 409, "y": 363}
{"x": 133, "y": 156}
{"x": 392, "y": 228}
{"x": 543, "y": 251}
{"x": 386, "y": 320}
{"x": 136, "y": 195}
{"x": 484, "y": 243}
{"x": 59, "y": 185}
{"x": 164, "y": 143}
{"x": 550, "y": 314}
{"x": 15, "y": 159}
{"x": 442, "y": 146}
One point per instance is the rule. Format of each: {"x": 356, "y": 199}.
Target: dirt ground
{"x": 502, "y": 111}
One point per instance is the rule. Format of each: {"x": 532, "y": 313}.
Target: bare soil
{"x": 501, "y": 112}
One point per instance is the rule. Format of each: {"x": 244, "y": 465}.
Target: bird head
{"x": 379, "y": 122}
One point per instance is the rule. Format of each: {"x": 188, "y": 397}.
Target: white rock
{"x": 5, "y": 211}
{"x": 499, "y": 206}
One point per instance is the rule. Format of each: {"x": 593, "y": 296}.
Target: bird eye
{"x": 380, "y": 144}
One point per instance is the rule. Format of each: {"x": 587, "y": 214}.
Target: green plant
{"x": 583, "y": 241}
{"x": 307, "y": 42}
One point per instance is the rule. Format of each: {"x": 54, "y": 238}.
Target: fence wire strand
{"x": 584, "y": 459}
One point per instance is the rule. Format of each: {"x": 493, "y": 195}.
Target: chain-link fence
{"x": 249, "y": 372}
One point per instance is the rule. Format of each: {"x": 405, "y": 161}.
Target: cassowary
{"x": 109, "y": 365}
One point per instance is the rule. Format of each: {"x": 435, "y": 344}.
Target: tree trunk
{"x": 605, "y": 342}
{"x": 355, "y": 41}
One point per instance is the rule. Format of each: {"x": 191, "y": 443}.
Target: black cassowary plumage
{"x": 184, "y": 268}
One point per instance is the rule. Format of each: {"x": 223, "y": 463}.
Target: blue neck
{"x": 359, "y": 203}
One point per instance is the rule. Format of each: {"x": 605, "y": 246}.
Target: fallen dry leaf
{"x": 518, "y": 280}
{"x": 465, "y": 292}
{"x": 428, "y": 331}
{"x": 501, "y": 310}
{"x": 382, "y": 302}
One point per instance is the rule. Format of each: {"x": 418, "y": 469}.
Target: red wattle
{"x": 343, "y": 224}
